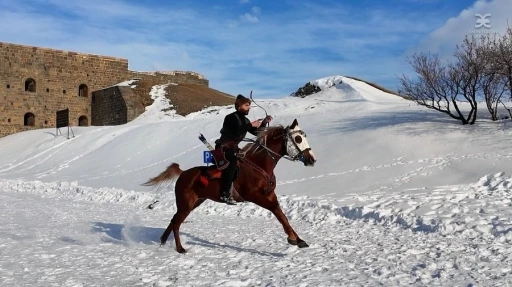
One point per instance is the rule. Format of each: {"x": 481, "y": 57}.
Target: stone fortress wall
{"x": 36, "y": 82}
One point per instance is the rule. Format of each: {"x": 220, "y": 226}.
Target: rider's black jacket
{"x": 235, "y": 127}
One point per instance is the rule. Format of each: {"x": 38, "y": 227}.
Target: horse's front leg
{"x": 272, "y": 204}
{"x": 293, "y": 237}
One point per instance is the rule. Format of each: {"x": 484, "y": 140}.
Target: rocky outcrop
{"x": 306, "y": 90}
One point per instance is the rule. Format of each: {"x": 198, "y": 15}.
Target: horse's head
{"x": 297, "y": 146}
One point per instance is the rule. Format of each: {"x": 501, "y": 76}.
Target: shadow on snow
{"x": 129, "y": 234}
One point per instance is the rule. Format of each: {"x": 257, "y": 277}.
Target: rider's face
{"x": 245, "y": 108}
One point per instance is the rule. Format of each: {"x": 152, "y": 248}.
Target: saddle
{"x": 209, "y": 173}
{"x": 219, "y": 154}
{"x": 212, "y": 172}
{"x": 220, "y": 162}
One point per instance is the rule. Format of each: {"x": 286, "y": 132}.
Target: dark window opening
{"x": 30, "y": 85}
{"x": 29, "y": 119}
{"x": 83, "y": 90}
{"x": 83, "y": 121}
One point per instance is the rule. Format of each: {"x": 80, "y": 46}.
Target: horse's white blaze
{"x": 294, "y": 147}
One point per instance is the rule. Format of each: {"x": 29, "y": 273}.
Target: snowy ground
{"x": 400, "y": 196}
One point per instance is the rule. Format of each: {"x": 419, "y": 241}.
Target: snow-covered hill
{"x": 399, "y": 195}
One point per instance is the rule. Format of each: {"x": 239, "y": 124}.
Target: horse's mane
{"x": 263, "y": 134}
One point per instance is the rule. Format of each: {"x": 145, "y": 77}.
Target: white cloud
{"x": 444, "y": 39}
{"x": 249, "y": 17}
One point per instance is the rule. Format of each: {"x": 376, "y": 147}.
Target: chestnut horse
{"x": 255, "y": 181}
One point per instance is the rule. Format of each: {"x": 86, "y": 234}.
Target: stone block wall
{"x": 134, "y": 106}
{"x": 36, "y": 82}
{"x": 116, "y": 105}
{"x": 6, "y": 130}
{"x": 108, "y": 107}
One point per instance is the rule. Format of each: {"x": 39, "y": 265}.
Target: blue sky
{"x": 270, "y": 47}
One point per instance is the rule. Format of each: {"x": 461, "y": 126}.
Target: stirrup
{"x": 228, "y": 200}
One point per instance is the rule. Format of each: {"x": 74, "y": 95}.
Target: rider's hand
{"x": 266, "y": 120}
{"x": 256, "y": 123}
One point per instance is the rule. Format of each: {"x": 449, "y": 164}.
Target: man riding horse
{"x": 235, "y": 127}
{"x": 255, "y": 184}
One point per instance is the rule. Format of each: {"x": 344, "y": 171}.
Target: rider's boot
{"x": 226, "y": 186}
{"x": 227, "y": 197}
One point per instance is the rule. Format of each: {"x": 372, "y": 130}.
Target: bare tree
{"x": 493, "y": 87}
{"x": 501, "y": 64}
{"x": 443, "y": 87}
{"x": 472, "y": 62}
{"x": 502, "y": 56}
{"x": 435, "y": 88}
{"x": 493, "y": 83}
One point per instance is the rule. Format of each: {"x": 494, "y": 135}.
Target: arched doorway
{"x": 83, "y": 90}
{"x": 29, "y": 119}
{"x": 83, "y": 121}
{"x": 30, "y": 85}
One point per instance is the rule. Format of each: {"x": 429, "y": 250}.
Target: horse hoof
{"x": 292, "y": 241}
{"x": 302, "y": 244}
{"x": 181, "y": 250}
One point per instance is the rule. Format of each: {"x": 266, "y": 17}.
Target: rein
{"x": 271, "y": 181}
{"x": 270, "y": 152}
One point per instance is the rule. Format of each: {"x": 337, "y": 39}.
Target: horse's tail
{"x": 172, "y": 172}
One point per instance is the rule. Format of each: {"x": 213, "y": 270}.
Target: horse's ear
{"x": 294, "y": 124}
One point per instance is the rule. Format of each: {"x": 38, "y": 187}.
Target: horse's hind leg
{"x": 186, "y": 202}
{"x": 178, "y": 218}
{"x": 174, "y": 226}
{"x": 169, "y": 228}
{"x": 198, "y": 202}
{"x": 166, "y": 233}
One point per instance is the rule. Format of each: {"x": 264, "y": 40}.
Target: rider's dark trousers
{"x": 229, "y": 173}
